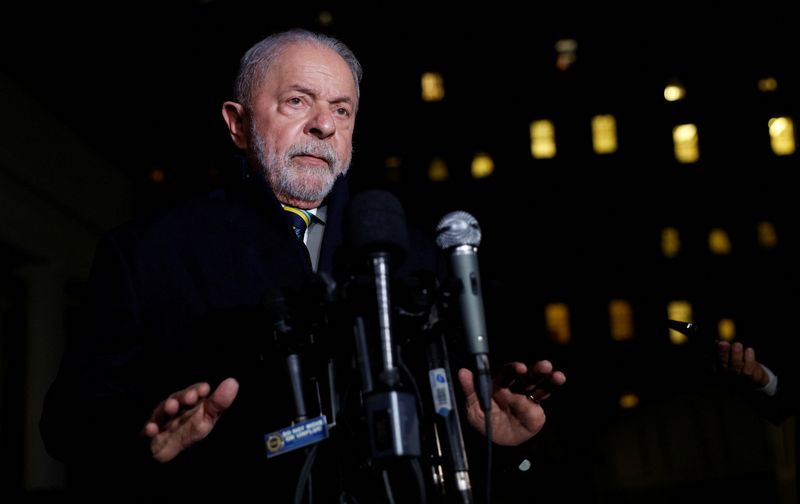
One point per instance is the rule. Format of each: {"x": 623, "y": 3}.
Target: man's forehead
{"x": 299, "y": 61}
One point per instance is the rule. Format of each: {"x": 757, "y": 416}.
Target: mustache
{"x": 320, "y": 150}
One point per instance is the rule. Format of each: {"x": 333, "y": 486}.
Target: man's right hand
{"x": 740, "y": 361}
{"x": 186, "y": 417}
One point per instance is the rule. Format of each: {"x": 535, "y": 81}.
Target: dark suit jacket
{"x": 173, "y": 301}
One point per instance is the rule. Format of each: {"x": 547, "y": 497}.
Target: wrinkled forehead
{"x": 307, "y": 61}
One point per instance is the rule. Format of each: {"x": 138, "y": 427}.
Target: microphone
{"x": 459, "y": 235}
{"x": 298, "y": 318}
{"x": 291, "y": 340}
{"x": 376, "y": 232}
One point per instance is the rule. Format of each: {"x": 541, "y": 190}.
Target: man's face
{"x": 301, "y": 128}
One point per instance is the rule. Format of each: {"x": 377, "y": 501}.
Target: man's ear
{"x": 235, "y": 117}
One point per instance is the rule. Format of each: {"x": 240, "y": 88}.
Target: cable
{"x": 423, "y": 498}
{"x": 488, "y": 421}
{"x": 414, "y": 385}
{"x": 305, "y": 476}
{"x": 387, "y": 486}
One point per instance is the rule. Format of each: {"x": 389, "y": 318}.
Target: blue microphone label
{"x": 440, "y": 390}
{"x": 296, "y": 436}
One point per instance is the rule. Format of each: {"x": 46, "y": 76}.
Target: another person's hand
{"x": 516, "y": 417}
{"x": 739, "y": 361}
{"x": 186, "y": 417}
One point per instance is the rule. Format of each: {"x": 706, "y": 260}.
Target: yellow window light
{"x": 781, "y": 136}
{"x": 767, "y": 235}
{"x": 437, "y": 170}
{"x": 719, "y": 242}
{"x": 543, "y": 139}
{"x": 604, "y": 134}
{"x": 482, "y": 165}
{"x": 557, "y": 319}
{"x": 620, "y": 316}
{"x": 432, "y": 87}
{"x": 727, "y": 329}
{"x": 670, "y": 242}
{"x": 684, "y": 137}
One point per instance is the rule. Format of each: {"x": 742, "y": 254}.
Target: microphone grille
{"x": 458, "y": 228}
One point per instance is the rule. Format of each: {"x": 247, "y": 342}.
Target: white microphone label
{"x": 440, "y": 389}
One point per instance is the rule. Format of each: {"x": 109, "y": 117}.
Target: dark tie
{"x": 299, "y": 219}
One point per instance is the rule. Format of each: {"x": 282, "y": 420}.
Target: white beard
{"x": 291, "y": 178}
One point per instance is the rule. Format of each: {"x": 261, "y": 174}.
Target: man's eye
{"x": 343, "y": 112}
{"x": 295, "y": 101}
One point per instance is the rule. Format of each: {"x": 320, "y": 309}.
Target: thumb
{"x": 222, "y": 397}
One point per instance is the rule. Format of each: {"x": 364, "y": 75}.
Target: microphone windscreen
{"x": 458, "y": 228}
{"x": 376, "y": 222}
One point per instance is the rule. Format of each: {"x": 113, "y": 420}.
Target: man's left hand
{"x": 516, "y": 413}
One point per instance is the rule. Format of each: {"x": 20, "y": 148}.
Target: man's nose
{"x": 321, "y": 123}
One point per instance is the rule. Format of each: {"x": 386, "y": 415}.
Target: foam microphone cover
{"x": 375, "y": 222}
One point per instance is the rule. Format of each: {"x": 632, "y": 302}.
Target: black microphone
{"x": 376, "y": 232}
{"x": 291, "y": 340}
{"x": 459, "y": 235}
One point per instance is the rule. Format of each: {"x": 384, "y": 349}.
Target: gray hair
{"x": 257, "y": 60}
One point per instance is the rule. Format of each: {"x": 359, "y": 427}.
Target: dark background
{"x": 140, "y": 87}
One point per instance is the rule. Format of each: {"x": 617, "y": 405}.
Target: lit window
{"x": 781, "y": 136}
{"x": 482, "y": 165}
{"x": 620, "y": 316}
{"x": 767, "y": 84}
{"x": 543, "y": 139}
{"x": 557, "y": 317}
{"x": 628, "y": 400}
{"x": 604, "y": 134}
{"x": 674, "y": 91}
{"x": 767, "y": 236}
{"x": 719, "y": 242}
{"x": 432, "y": 87}
{"x": 685, "y": 139}
{"x": 437, "y": 170}
{"x": 670, "y": 242}
{"x": 727, "y": 329}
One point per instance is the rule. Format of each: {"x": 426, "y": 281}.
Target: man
{"x": 170, "y": 389}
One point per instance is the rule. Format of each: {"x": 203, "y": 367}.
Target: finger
{"x": 190, "y": 395}
{"x": 547, "y": 385}
{"x": 222, "y": 397}
{"x": 165, "y": 411}
{"x": 542, "y": 367}
{"x": 724, "y": 350}
{"x": 753, "y": 370}
{"x": 150, "y": 429}
{"x": 511, "y": 375}
{"x": 737, "y": 358}
{"x": 467, "y": 384}
{"x": 749, "y": 362}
